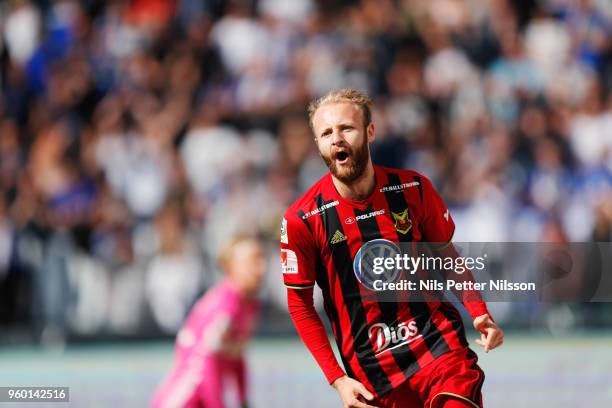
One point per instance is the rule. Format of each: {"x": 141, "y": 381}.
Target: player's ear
{"x": 370, "y": 131}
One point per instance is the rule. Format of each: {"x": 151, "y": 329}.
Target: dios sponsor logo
{"x": 387, "y": 337}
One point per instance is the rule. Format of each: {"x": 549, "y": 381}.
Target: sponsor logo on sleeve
{"x": 284, "y": 238}
{"x": 289, "y": 262}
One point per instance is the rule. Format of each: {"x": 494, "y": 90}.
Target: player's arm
{"x": 312, "y": 332}
{"x": 298, "y": 258}
{"x": 438, "y": 227}
{"x": 240, "y": 371}
{"x": 491, "y": 335}
{"x": 217, "y": 340}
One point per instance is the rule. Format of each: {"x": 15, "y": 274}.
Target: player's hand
{"x": 491, "y": 335}
{"x": 352, "y": 393}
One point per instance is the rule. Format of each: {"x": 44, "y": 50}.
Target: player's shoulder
{"x": 221, "y": 298}
{"x": 307, "y": 202}
{"x": 405, "y": 175}
{"x": 400, "y": 172}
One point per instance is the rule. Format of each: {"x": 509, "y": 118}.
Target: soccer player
{"x": 210, "y": 345}
{"x": 395, "y": 354}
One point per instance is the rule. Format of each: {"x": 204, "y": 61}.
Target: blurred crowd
{"x": 137, "y": 135}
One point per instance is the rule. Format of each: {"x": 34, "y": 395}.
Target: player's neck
{"x": 359, "y": 189}
{"x": 243, "y": 290}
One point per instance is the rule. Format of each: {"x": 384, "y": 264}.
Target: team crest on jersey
{"x": 403, "y": 223}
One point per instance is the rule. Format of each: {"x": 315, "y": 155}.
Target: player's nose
{"x": 336, "y": 137}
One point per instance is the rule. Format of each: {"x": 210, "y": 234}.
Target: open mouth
{"x": 342, "y": 157}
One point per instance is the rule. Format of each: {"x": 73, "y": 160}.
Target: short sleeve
{"x": 298, "y": 252}
{"x": 437, "y": 225}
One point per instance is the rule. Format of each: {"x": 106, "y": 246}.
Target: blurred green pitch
{"x": 528, "y": 371}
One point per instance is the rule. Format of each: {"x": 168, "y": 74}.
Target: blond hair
{"x": 226, "y": 251}
{"x": 354, "y": 96}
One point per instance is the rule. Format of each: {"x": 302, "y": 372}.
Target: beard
{"x": 355, "y": 166}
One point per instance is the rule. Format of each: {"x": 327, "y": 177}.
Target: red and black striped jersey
{"x": 381, "y": 343}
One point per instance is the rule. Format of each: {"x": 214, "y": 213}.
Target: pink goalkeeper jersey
{"x": 209, "y": 350}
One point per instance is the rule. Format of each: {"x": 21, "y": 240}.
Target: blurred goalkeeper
{"x": 210, "y": 346}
